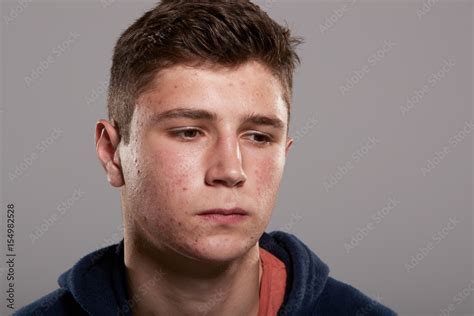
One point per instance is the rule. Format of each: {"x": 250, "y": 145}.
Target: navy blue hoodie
{"x": 95, "y": 285}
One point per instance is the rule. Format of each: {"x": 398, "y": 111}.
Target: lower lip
{"x": 224, "y": 219}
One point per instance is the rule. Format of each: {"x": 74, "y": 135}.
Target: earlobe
{"x": 107, "y": 141}
{"x": 114, "y": 174}
{"x": 289, "y": 142}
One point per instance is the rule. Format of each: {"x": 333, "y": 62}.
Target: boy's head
{"x": 199, "y": 103}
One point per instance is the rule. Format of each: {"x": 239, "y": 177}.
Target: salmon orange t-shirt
{"x": 272, "y": 284}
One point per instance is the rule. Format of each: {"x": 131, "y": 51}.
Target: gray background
{"x": 331, "y": 128}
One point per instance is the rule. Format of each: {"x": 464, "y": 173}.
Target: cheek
{"x": 174, "y": 172}
{"x": 164, "y": 175}
{"x": 268, "y": 173}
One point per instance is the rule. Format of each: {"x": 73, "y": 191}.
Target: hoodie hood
{"x": 97, "y": 281}
{"x": 306, "y": 273}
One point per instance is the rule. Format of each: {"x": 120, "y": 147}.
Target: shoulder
{"x": 58, "y": 302}
{"x": 92, "y": 274}
{"x": 339, "y": 298}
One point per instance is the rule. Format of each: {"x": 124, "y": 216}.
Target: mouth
{"x": 224, "y": 216}
{"x": 223, "y": 211}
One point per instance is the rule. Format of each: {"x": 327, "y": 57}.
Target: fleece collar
{"x": 97, "y": 281}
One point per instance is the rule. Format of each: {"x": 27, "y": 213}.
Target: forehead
{"x": 248, "y": 87}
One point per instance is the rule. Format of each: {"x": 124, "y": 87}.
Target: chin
{"x": 222, "y": 248}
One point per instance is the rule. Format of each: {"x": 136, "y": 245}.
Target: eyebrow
{"x": 196, "y": 114}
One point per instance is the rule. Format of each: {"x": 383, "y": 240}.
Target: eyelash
{"x": 176, "y": 133}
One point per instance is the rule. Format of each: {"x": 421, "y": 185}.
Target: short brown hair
{"x": 218, "y": 32}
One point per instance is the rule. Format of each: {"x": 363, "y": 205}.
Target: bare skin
{"x": 176, "y": 166}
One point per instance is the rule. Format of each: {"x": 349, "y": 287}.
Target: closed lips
{"x": 234, "y": 211}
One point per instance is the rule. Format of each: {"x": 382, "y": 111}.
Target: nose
{"x": 225, "y": 164}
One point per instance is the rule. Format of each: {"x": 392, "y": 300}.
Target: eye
{"x": 186, "y": 134}
{"x": 261, "y": 139}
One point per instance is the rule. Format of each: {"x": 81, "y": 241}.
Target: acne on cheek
{"x": 174, "y": 168}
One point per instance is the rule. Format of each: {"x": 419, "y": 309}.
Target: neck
{"x": 164, "y": 282}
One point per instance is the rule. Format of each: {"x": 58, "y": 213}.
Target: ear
{"x": 289, "y": 142}
{"x": 107, "y": 139}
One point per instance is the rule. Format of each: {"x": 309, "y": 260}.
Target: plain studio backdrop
{"x": 378, "y": 182}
